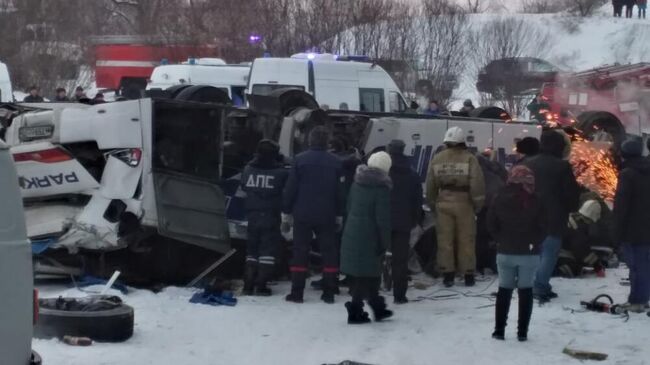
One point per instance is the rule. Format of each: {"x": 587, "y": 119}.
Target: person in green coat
{"x": 366, "y": 237}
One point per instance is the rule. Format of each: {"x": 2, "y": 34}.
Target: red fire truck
{"x": 125, "y": 63}
{"x": 608, "y": 101}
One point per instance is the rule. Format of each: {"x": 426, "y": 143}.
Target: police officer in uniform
{"x": 263, "y": 181}
{"x": 313, "y": 203}
{"x": 456, "y": 189}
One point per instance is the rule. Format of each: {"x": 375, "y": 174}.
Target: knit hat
{"x": 591, "y": 209}
{"x": 318, "y": 137}
{"x": 632, "y": 147}
{"x": 396, "y": 147}
{"x": 553, "y": 143}
{"x": 528, "y": 146}
{"x": 268, "y": 148}
{"x": 380, "y": 160}
{"x": 522, "y": 175}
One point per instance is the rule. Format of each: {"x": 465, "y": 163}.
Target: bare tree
{"x": 584, "y": 8}
{"x": 543, "y": 6}
{"x": 443, "y": 49}
{"x": 475, "y": 6}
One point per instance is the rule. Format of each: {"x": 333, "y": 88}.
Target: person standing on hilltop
{"x": 642, "y": 5}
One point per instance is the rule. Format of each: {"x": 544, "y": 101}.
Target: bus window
{"x": 237, "y": 93}
{"x": 266, "y": 89}
{"x": 371, "y": 100}
{"x": 397, "y": 104}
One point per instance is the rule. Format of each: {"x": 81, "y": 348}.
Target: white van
{"x": 6, "y": 92}
{"x": 203, "y": 71}
{"x": 335, "y": 82}
{"x": 16, "y": 283}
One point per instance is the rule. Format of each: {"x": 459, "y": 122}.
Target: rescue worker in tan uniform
{"x": 456, "y": 190}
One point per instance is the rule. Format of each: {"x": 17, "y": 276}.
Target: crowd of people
{"x": 61, "y": 96}
{"x": 628, "y": 5}
{"x": 532, "y": 212}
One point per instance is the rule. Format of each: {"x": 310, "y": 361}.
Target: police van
{"x": 203, "y": 71}
{"x": 336, "y": 82}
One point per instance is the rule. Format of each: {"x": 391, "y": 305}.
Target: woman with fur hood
{"x": 366, "y": 237}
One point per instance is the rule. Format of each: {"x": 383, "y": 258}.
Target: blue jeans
{"x": 637, "y": 258}
{"x": 550, "y": 250}
{"x": 517, "y": 271}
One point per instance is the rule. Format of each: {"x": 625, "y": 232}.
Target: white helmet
{"x": 380, "y": 160}
{"x": 590, "y": 209}
{"x": 454, "y": 135}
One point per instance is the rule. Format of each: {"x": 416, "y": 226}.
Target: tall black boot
{"x": 264, "y": 274}
{"x": 525, "y": 312}
{"x": 297, "y": 287}
{"x": 504, "y": 297}
{"x": 356, "y": 314}
{"x": 249, "y": 278}
{"x": 448, "y": 279}
{"x": 330, "y": 287}
{"x": 378, "y": 305}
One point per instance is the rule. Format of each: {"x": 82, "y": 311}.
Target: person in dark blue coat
{"x": 314, "y": 201}
{"x": 406, "y": 209}
{"x": 263, "y": 181}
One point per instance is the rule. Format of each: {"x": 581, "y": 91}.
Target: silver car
{"x": 17, "y": 309}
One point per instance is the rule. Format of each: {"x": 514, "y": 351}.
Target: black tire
{"x": 114, "y": 325}
{"x": 204, "y": 94}
{"x": 490, "y": 112}
{"x": 175, "y": 90}
{"x": 35, "y": 359}
{"x": 591, "y": 123}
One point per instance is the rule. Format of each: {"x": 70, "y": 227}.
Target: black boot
{"x": 249, "y": 278}
{"x": 504, "y": 297}
{"x": 356, "y": 314}
{"x": 378, "y": 305}
{"x": 470, "y": 280}
{"x": 264, "y": 274}
{"x": 525, "y": 312}
{"x": 330, "y": 287}
{"x": 448, "y": 279}
{"x": 297, "y": 287}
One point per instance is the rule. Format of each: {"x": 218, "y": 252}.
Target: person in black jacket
{"x": 406, "y": 208}
{"x": 629, "y": 8}
{"x": 618, "y": 7}
{"x": 632, "y": 218}
{"x": 314, "y": 200}
{"x": 263, "y": 181}
{"x": 527, "y": 148}
{"x": 556, "y": 184}
{"x": 516, "y": 220}
{"x": 34, "y": 95}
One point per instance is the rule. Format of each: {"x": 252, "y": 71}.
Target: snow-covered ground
{"x": 170, "y": 330}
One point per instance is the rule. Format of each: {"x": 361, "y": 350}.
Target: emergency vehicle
{"x": 203, "y": 71}
{"x": 605, "y": 102}
{"x": 124, "y": 63}
{"x": 6, "y": 92}
{"x": 336, "y": 82}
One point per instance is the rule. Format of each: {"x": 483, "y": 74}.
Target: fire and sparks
{"x": 594, "y": 167}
